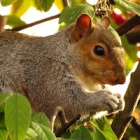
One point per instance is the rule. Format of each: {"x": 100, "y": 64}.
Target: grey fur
{"x": 44, "y": 69}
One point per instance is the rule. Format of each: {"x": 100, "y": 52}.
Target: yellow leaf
{"x": 20, "y": 7}
{"x": 59, "y": 4}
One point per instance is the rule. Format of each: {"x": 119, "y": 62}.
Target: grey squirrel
{"x": 63, "y": 69}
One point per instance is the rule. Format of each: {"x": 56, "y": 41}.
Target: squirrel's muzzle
{"x": 120, "y": 80}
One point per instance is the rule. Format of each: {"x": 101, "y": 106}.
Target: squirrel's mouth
{"x": 102, "y": 85}
{"x": 108, "y": 81}
{"x": 99, "y": 82}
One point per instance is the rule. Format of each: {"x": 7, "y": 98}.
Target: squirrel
{"x": 63, "y": 69}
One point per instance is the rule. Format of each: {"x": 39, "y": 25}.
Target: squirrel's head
{"x": 102, "y": 58}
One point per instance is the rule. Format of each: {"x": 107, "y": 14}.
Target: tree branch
{"x": 122, "y": 119}
{"x": 66, "y": 126}
{"x": 134, "y": 35}
{"x": 66, "y": 3}
{"x": 127, "y": 26}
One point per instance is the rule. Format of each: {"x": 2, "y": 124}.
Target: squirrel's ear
{"x": 105, "y": 22}
{"x": 82, "y": 27}
{"x": 83, "y": 24}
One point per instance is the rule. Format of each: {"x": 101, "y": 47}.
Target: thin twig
{"x": 33, "y": 23}
{"x": 65, "y": 127}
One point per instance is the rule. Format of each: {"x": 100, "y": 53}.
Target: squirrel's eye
{"x": 99, "y": 50}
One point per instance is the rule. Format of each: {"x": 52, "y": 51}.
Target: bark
{"x": 122, "y": 119}
{"x": 3, "y": 21}
{"x": 127, "y": 26}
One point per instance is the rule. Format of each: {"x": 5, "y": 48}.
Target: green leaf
{"x": 97, "y": 135}
{"x": 77, "y": 1}
{"x": 6, "y": 2}
{"x": 71, "y": 13}
{"x": 41, "y": 118}
{"x": 14, "y": 21}
{"x": 3, "y": 131}
{"x": 81, "y": 133}
{"x": 20, "y": 7}
{"x": 130, "y": 49}
{"x": 102, "y": 125}
{"x": 46, "y": 4}
{"x": 37, "y": 5}
{"x": 115, "y": 34}
{"x": 31, "y": 134}
{"x": 44, "y": 133}
{"x": 17, "y": 116}
{"x": 127, "y": 5}
{"x": 3, "y": 134}
{"x": 131, "y": 53}
{"x": 4, "y": 97}
{"x": 2, "y": 121}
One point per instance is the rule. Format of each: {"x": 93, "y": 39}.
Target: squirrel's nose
{"x": 120, "y": 80}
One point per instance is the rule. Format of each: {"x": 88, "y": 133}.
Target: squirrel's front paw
{"x": 111, "y": 102}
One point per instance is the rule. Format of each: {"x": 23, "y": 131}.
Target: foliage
{"x": 46, "y": 4}
{"x": 20, "y": 7}
{"x": 7, "y": 2}
{"x": 132, "y": 7}
{"x": 103, "y": 128}
{"x": 14, "y": 21}
{"x": 74, "y": 12}
{"x": 17, "y": 122}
